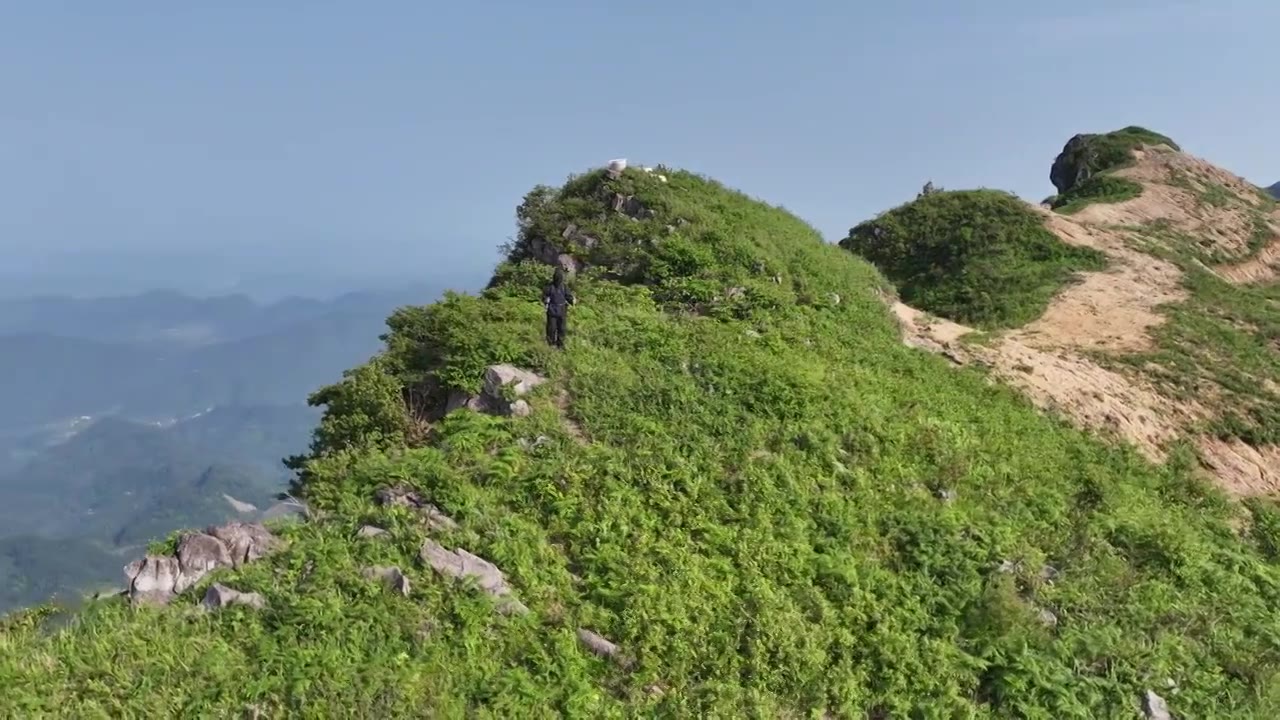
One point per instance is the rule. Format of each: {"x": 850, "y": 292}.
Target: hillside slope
{"x": 1275, "y": 191}
{"x": 736, "y": 494}
{"x": 1176, "y": 341}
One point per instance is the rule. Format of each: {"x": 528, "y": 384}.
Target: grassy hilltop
{"x": 739, "y": 474}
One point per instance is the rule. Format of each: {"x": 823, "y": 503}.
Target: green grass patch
{"x": 1097, "y": 189}
{"x": 759, "y": 519}
{"x": 1221, "y": 346}
{"x": 980, "y": 257}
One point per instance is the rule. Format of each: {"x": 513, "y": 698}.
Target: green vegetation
{"x": 980, "y": 257}
{"x": 761, "y": 495}
{"x": 1221, "y": 346}
{"x": 1097, "y": 189}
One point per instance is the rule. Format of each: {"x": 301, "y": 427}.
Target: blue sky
{"x": 378, "y": 137}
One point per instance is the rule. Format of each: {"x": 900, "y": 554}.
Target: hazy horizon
{"x": 208, "y": 148}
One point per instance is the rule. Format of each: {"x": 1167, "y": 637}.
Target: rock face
{"x": 156, "y": 580}
{"x": 504, "y": 386}
{"x": 1071, "y": 168}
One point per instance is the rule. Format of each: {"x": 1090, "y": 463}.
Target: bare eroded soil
{"x": 1114, "y": 311}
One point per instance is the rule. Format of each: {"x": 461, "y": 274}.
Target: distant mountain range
{"x": 125, "y": 418}
{"x": 163, "y": 355}
{"x": 1275, "y": 191}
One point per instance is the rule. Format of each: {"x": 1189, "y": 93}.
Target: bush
{"x": 1097, "y": 189}
{"x": 976, "y": 256}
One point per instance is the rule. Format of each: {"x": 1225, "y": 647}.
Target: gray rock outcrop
{"x": 434, "y": 517}
{"x": 462, "y": 565}
{"x": 390, "y": 576}
{"x": 219, "y": 596}
{"x": 502, "y": 392}
{"x": 157, "y": 579}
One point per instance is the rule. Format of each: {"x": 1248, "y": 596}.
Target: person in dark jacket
{"x": 557, "y": 297}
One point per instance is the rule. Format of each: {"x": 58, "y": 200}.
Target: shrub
{"x": 976, "y": 256}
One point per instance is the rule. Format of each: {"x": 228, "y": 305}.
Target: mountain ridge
{"x": 740, "y": 491}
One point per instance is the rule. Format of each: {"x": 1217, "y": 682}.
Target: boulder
{"x": 151, "y": 580}
{"x": 245, "y": 541}
{"x": 501, "y": 393}
{"x": 400, "y": 496}
{"x": 369, "y": 531}
{"x": 461, "y": 565}
{"x": 497, "y": 377}
{"x": 219, "y": 596}
{"x": 390, "y": 576}
{"x": 1154, "y": 707}
{"x": 631, "y": 207}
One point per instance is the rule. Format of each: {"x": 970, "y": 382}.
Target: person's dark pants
{"x": 555, "y": 329}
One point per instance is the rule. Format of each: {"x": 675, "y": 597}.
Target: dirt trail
{"x": 1263, "y": 267}
{"x": 1115, "y": 310}
{"x": 1058, "y": 379}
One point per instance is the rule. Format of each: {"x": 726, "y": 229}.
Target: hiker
{"x": 557, "y": 298}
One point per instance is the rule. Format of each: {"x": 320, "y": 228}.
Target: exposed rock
{"x": 579, "y": 238}
{"x": 369, "y": 531}
{"x": 245, "y": 541}
{"x": 220, "y": 596}
{"x": 460, "y": 564}
{"x": 601, "y": 647}
{"x": 156, "y": 580}
{"x": 239, "y": 505}
{"x": 496, "y": 377}
{"x": 198, "y": 555}
{"x": 631, "y": 207}
{"x": 1071, "y": 167}
{"x": 151, "y": 580}
{"x": 945, "y": 494}
{"x": 390, "y": 576}
{"x": 501, "y": 393}
{"x": 1154, "y": 707}
{"x": 399, "y": 496}
{"x": 1047, "y": 617}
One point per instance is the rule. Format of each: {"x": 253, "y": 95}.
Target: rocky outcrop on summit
{"x": 157, "y": 579}
{"x": 502, "y": 393}
{"x": 1088, "y": 154}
